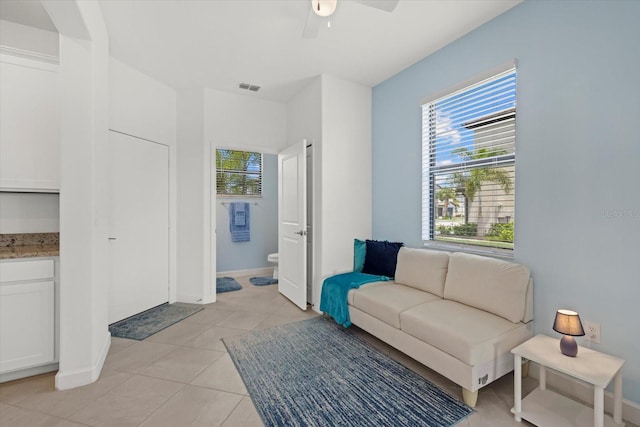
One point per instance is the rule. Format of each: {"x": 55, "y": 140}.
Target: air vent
{"x": 247, "y": 86}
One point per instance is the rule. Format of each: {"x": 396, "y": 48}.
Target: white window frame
{"x": 429, "y": 169}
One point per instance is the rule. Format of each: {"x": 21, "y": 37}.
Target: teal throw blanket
{"x": 333, "y": 299}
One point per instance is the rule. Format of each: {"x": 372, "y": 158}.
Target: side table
{"x": 543, "y": 407}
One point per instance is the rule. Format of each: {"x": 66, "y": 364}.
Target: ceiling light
{"x": 324, "y": 7}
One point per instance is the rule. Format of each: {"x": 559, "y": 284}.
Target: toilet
{"x": 273, "y": 258}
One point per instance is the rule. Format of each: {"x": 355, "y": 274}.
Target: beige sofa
{"x": 458, "y": 314}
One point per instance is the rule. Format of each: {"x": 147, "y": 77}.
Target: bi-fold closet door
{"x": 139, "y": 225}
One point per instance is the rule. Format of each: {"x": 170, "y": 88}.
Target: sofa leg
{"x": 525, "y": 369}
{"x": 470, "y": 397}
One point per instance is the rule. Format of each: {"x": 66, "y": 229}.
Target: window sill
{"x": 476, "y": 250}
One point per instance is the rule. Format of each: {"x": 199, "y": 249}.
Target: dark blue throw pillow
{"x": 381, "y": 258}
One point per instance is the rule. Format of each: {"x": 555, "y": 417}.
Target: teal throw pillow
{"x": 359, "y": 254}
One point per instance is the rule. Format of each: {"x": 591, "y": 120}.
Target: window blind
{"x": 468, "y": 164}
{"x": 238, "y": 173}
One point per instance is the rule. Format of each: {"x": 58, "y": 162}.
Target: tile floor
{"x": 183, "y": 376}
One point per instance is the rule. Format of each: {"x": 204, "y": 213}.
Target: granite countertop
{"x": 27, "y": 245}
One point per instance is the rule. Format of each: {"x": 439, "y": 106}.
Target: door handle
{"x": 301, "y": 232}
{"x": 112, "y": 238}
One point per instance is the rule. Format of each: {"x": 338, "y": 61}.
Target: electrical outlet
{"x": 592, "y": 332}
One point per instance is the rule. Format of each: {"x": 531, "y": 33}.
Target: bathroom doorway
{"x": 246, "y": 205}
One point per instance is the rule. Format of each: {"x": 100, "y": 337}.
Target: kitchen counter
{"x": 29, "y": 251}
{"x": 27, "y": 245}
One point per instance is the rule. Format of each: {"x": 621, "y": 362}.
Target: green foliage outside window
{"x": 238, "y": 173}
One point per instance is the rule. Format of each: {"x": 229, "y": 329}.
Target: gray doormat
{"x": 147, "y": 323}
{"x": 263, "y": 281}
{"x": 316, "y": 373}
{"x": 227, "y": 284}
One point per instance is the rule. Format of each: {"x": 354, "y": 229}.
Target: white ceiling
{"x": 220, "y": 43}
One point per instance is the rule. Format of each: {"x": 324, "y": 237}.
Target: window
{"x": 468, "y": 165}
{"x": 238, "y": 173}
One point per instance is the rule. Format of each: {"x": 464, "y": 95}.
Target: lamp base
{"x": 569, "y": 346}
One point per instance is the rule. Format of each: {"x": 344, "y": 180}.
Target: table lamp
{"x": 568, "y": 323}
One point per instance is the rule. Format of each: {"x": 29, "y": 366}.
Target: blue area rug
{"x": 227, "y": 284}
{"x": 147, "y": 323}
{"x": 263, "y": 281}
{"x": 315, "y": 373}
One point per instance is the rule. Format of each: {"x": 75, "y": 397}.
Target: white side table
{"x": 543, "y": 407}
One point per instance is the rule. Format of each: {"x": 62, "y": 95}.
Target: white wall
{"x": 27, "y": 38}
{"x": 140, "y": 105}
{"x": 345, "y": 211}
{"x": 335, "y": 115}
{"x": 304, "y": 114}
{"x": 245, "y": 123}
{"x": 196, "y": 260}
{"x": 146, "y": 108}
{"x": 84, "y": 50}
{"x": 29, "y": 213}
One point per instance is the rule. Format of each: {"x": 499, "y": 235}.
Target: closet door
{"x": 139, "y": 225}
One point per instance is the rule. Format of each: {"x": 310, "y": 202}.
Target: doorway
{"x": 246, "y": 256}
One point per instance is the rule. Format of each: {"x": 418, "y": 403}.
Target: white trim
{"x": 513, "y": 63}
{"x": 195, "y": 299}
{"x": 253, "y": 148}
{"x": 29, "y": 372}
{"x": 66, "y": 380}
{"x": 248, "y": 272}
{"x": 27, "y": 58}
{"x": 471, "y": 249}
{"x": 584, "y": 392}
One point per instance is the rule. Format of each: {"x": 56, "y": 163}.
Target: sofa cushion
{"x": 381, "y": 258}
{"x": 422, "y": 269}
{"x": 471, "y": 335}
{"x": 352, "y": 292}
{"x": 386, "y": 302}
{"x": 496, "y": 286}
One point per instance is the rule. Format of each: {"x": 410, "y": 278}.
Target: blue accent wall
{"x": 578, "y": 157}
{"x": 232, "y": 256}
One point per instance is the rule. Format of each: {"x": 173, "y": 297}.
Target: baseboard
{"x": 263, "y": 271}
{"x": 72, "y": 379}
{"x": 29, "y": 372}
{"x": 583, "y": 392}
{"x": 195, "y": 299}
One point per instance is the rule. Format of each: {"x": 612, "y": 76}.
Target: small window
{"x": 468, "y": 165}
{"x": 238, "y": 173}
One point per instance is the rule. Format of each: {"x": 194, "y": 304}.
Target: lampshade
{"x": 568, "y": 323}
{"x": 324, "y": 7}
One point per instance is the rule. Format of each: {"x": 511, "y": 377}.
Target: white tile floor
{"x": 183, "y": 376}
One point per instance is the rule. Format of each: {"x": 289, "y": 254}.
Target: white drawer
{"x": 26, "y": 270}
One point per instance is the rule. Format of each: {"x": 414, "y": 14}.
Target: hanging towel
{"x": 239, "y": 222}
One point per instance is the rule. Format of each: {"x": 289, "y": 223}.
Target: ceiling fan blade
{"x": 386, "y": 5}
{"x": 311, "y": 26}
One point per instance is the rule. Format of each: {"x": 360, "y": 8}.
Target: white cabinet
{"x": 27, "y": 314}
{"x": 29, "y": 137}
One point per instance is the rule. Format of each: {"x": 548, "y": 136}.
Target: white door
{"x": 139, "y": 225}
{"x": 292, "y": 224}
